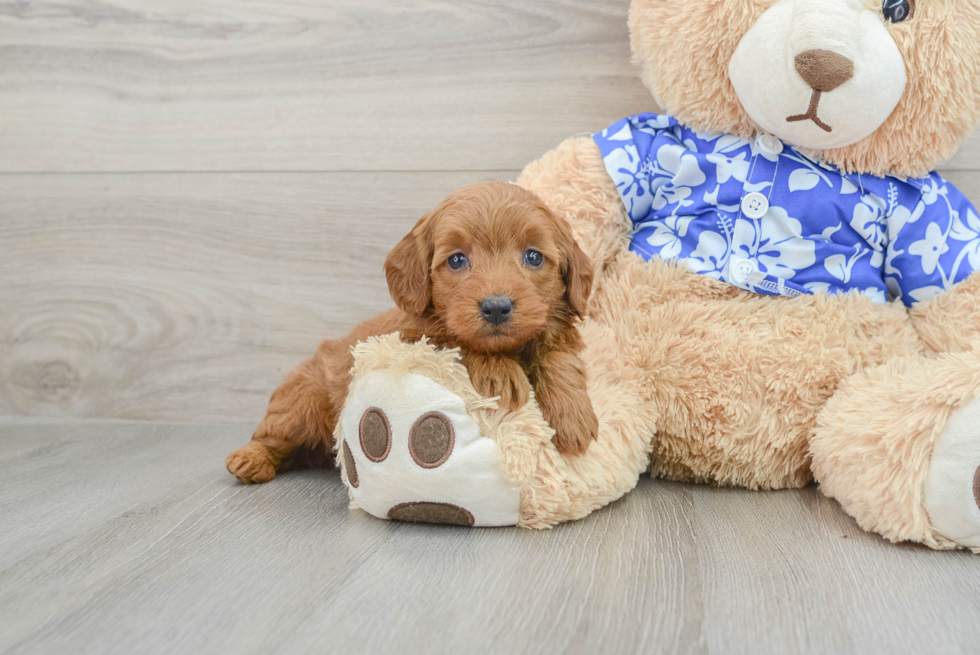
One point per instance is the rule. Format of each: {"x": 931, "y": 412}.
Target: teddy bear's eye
{"x": 897, "y": 11}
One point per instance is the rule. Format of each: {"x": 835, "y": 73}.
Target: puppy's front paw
{"x": 252, "y": 463}
{"x": 512, "y": 387}
{"x": 500, "y": 377}
{"x": 576, "y": 427}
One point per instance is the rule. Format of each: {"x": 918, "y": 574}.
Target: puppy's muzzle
{"x": 496, "y": 309}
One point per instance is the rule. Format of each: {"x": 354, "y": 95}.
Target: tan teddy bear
{"x": 784, "y": 290}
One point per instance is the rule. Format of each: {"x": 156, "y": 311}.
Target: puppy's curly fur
{"x": 487, "y": 230}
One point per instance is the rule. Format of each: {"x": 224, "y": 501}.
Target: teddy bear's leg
{"x": 951, "y": 322}
{"x": 573, "y": 181}
{"x": 417, "y": 442}
{"x": 899, "y": 446}
{"x": 412, "y": 451}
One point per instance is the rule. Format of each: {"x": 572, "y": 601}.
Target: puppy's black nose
{"x": 496, "y": 309}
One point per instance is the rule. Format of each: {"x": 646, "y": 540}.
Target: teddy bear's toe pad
{"x": 952, "y": 490}
{"x": 411, "y": 452}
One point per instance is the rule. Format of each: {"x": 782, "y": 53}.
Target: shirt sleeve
{"x": 933, "y": 245}
{"x": 626, "y": 146}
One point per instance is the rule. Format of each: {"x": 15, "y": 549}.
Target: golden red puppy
{"x": 491, "y": 271}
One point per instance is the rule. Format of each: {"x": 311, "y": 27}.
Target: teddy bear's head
{"x": 872, "y": 86}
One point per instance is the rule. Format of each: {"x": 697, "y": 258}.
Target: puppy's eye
{"x": 533, "y": 258}
{"x": 457, "y": 261}
{"x": 897, "y": 11}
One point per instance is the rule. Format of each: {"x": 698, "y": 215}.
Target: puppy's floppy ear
{"x": 407, "y": 270}
{"x": 576, "y": 270}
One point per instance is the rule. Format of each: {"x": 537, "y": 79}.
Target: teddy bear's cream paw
{"x": 952, "y": 490}
{"x": 411, "y": 452}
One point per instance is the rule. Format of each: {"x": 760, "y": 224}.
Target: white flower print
{"x": 876, "y": 219}
{"x": 726, "y": 167}
{"x": 841, "y": 266}
{"x": 969, "y": 232}
{"x": 807, "y": 178}
{"x": 710, "y": 255}
{"x": 675, "y": 175}
{"x": 803, "y": 179}
{"x": 825, "y": 232}
{"x": 925, "y": 293}
{"x": 654, "y": 125}
{"x": 931, "y": 192}
{"x": 931, "y": 248}
{"x": 627, "y": 172}
{"x": 869, "y": 219}
{"x": 782, "y": 249}
{"x": 668, "y": 235}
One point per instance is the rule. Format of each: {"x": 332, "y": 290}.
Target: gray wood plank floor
{"x": 129, "y": 537}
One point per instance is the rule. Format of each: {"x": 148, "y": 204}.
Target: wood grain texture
{"x": 119, "y": 537}
{"x": 127, "y": 85}
{"x": 227, "y": 85}
{"x": 189, "y": 297}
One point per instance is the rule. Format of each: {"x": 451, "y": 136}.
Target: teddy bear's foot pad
{"x": 411, "y": 452}
{"x": 952, "y": 490}
{"x": 424, "y": 512}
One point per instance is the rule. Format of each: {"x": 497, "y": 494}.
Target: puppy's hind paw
{"x": 252, "y": 463}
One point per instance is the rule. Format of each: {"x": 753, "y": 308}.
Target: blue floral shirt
{"x": 760, "y": 215}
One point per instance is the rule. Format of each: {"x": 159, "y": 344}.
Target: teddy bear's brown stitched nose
{"x": 824, "y": 70}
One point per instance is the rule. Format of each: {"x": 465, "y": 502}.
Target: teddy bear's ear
{"x": 408, "y": 270}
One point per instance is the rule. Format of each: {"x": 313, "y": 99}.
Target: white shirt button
{"x": 742, "y": 269}
{"x": 769, "y": 144}
{"x": 755, "y": 205}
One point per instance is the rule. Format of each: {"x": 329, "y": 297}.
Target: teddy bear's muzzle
{"x": 837, "y": 54}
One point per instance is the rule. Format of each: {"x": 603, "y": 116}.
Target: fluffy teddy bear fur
{"x": 732, "y": 384}
{"x": 763, "y": 392}
{"x": 697, "y": 380}
{"x": 553, "y": 488}
{"x": 734, "y": 380}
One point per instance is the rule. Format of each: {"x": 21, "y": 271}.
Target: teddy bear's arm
{"x": 936, "y": 247}
{"x": 935, "y": 262}
{"x": 951, "y": 322}
{"x": 573, "y": 181}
